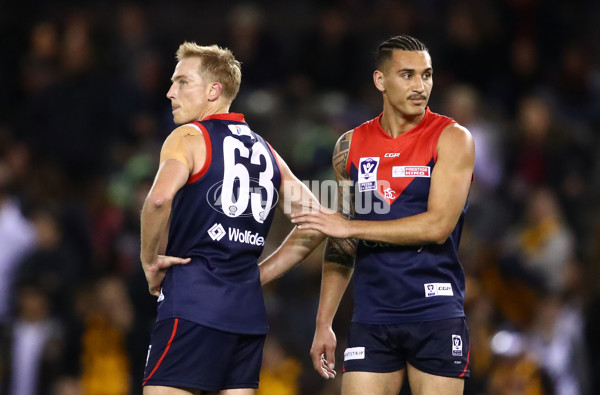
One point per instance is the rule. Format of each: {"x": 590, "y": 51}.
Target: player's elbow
{"x": 159, "y": 200}
{"x": 439, "y": 234}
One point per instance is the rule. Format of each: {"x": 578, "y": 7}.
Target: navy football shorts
{"x": 184, "y": 354}
{"x": 440, "y": 347}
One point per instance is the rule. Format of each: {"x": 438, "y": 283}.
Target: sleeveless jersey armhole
{"x": 274, "y": 156}
{"x": 349, "y": 157}
{"x": 208, "y": 159}
{"x": 435, "y": 141}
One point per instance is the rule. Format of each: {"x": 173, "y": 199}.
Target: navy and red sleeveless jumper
{"x": 220, "y": 219}
{"x": 391, "y": 177}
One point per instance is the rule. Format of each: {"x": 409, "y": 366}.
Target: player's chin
{"x": 417, "y": 108}
{"x": 180, "y": 120}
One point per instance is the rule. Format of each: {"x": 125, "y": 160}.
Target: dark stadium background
{"x": 83, "y": 114}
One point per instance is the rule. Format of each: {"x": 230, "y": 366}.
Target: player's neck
{"x": 395, "y": 123}
{"x": 215, "y": 108}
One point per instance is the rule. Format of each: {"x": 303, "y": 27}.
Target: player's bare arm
{"x": 299, "y": 243}
{"x": 450, "y": 182}
{"x": 181, "y": 155}
{"x": 338, "y": 266}
{"x": 342, "y": 251}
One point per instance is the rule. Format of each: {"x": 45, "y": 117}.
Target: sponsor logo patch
{"x": 392, "y": 155}
{"x": 411, "y": 171}
{"x": 457, "y": 346}
{"x": 354, "y": 353}
{"x": 438, "y": 289}
{"x": 246, "y": 237}
{"x": 216, "y": 232}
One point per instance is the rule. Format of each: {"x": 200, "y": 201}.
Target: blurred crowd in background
{"x": 83, "y": 114}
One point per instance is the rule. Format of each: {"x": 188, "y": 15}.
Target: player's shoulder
{"x": 456, "y": 138}
{"x": 456, "y": 130}
{"x": 346, "y": 137}
{"x": 188, "y": 129}
{"x": 184, "y": 137}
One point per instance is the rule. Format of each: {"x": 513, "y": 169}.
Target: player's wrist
{"x": 147, "y": 261}
{"x": 324, "y": 323}
{"x": 352, "y": 228}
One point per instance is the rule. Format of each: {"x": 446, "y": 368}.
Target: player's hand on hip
{"x": 316, "y": 217}
{"x": 322, "y": 352}
{"x": 155, "y": 273}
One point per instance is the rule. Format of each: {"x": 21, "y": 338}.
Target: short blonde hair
{"x": 218, "y": 64}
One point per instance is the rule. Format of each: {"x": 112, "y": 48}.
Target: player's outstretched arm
{"x": 299, "y": 243}
{"x": 450, "y": 183}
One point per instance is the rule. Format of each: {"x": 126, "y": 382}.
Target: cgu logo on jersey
{"x": 438, "y": 289}
{"x": 392, "y": 155}
{"x": 367, "y": 174}
{"x": 217, "y": 232}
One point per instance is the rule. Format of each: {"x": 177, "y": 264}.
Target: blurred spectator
{"x": 17, "y": 238}
{"x": 514, "y": 371}
{"x": 532, "y": 151}
{"x": 326, "y": 52}
{"x": 31, "y": 345}
{"x": 463, "y": 104}
{"x": 250, "y": 39}
{"x": 279, "y": 372}
{"x": 40, "y": 65}
{"x": 541, "y": 250}
{"x": 51, "y": 263}
{"x": 105, "y": 364}
{"x": 557, "y": 341}
{"x": 84, "y": 107}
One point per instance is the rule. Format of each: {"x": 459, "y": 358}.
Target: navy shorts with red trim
{"x": 440, "y": 347}
{"x": 184, "y": 354}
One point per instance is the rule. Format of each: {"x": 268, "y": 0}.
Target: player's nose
{"x": 418, "y": 85}
{"x": 171, "y": 92}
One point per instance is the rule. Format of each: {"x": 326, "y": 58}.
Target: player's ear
{"x": 214, "y": 90}
{"x": 378, "y": 80}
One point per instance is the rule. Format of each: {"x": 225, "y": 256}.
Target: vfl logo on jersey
{"x": 438, "y": 289}
{"x": 411, "y": 171}
{"x": 240, "y": 130}
{"x": 354, "y": 353}
{"x": 457, "y": 346}
{"x": 367, "y": 174}
{"x": 217, "y": 232}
